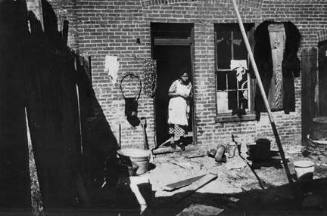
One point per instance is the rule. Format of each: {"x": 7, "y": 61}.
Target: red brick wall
{"x": 111, "y": 27}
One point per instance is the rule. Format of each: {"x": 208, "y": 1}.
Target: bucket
{"x": 135, "y": 157}
{"x": 260, "y": 150}
{"x": 231, "y": 149}
{"x": 304, "y": 169}
{"x": 319, "y": 128}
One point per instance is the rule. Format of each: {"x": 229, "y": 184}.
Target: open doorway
{"x": 172, "y": 48}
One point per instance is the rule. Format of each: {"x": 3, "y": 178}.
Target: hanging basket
{"x": 131, "y": 102}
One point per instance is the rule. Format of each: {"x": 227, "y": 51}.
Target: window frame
{"x": 250, "y": 113}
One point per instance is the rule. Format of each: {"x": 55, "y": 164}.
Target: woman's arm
{"x": 188, "y": 95}
{"x": 173, "y": 94}
{"x": 172, "y": 90}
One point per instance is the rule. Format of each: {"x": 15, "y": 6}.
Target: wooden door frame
{"x": 177, "y": 42}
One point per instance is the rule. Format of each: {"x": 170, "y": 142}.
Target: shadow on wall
{"x": 73, "y": 144}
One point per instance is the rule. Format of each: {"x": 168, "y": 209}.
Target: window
{"x": 234, "y": 86}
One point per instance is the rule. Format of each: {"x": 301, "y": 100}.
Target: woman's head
{"x": 183, "y": 75}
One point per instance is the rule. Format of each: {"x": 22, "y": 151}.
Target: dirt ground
{"x": 242, "y": 187}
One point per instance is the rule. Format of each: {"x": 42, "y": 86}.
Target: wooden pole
{"x": 37, "y": 204}
{"x": 145, "y": 139}
{"x": 65, "y": 32}
{"x": 80, "y": 186}
{"x": 119, "y": 136}
{"x": 262, "y": 91}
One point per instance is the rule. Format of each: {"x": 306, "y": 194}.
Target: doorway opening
{"x": 172, "y": 49}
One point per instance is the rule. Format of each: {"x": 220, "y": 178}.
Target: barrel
{"x": 319, "y": 128}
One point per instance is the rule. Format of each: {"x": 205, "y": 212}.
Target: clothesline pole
{"x": 262, "y": 91}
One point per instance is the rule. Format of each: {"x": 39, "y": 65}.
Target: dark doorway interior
{"x": 322, "y": 76}
{"x": 172, "y": 50}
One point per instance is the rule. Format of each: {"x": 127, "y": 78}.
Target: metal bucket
{"x": 135, "y": 157}
{"x": 259, "y": 151}
{"x": 319, "y": 128}
{"x": 304, "y": 169}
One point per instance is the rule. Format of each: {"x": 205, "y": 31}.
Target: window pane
{"x": 243, "y": 102}
{"x": 222, "y": 102}
{"x": 232, "y": 91}
{"x": 239, "y": 46}
{"x": 223, "y": 49}
{"x": 232, "y": 81}
{"x": 232, "y": 100}
{"x": 221, "y": 81}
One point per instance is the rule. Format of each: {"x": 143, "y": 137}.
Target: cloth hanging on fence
{"x": 290, "y": 65}
{"x": 131, "y": 103}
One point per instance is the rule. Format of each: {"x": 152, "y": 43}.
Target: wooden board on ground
{"x": 165, "y": 150}
{"x": 197, "y": 185}
{"x": 183, "y": 183}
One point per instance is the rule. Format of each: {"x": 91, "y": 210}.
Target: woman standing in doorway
{"x": 179, "y": 108}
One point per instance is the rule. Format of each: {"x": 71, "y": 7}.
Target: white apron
{"x": 178, "y": 107}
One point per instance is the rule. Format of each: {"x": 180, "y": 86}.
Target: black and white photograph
{"x": 163, "y": 107}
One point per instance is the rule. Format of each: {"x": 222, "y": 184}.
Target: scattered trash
{"x": 184, "y": 165}
{"x": 211, "y": 152}
{"x": 177, "y": 164}
{"x": 251, "y": 186}
{"x": 236, "y": 163}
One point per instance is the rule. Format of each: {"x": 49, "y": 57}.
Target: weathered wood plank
{"x": 35, "y": 6}
{"x": 183, "y": 183}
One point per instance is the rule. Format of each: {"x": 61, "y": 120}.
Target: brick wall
{"x": 111, "y": 27}
{"x": 310, "y": 17}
